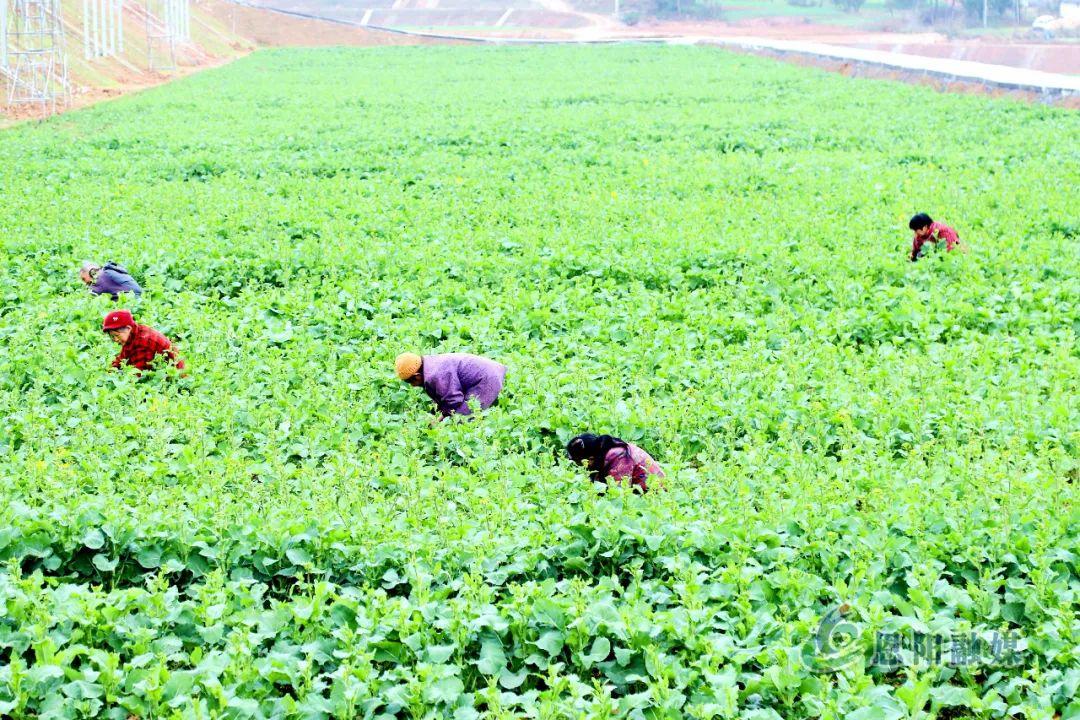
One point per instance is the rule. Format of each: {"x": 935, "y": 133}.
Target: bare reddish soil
{"x": 125, "y": 82}
{"x": 854, "y": 70}
{"x": 1044, "y": 56}
{"x": 271, "y": 29}
{"x": 1048, "y": 57}
{"x": 247, "y": 27}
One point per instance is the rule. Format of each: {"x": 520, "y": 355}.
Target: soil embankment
{"x": 221, "y": 31}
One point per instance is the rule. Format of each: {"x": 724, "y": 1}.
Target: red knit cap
{"x": 117, "y": 319}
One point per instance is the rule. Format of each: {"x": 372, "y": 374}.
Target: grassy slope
{"x": 210, "y": 39}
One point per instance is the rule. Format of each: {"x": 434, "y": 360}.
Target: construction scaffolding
{"x": 168, "y": 22}
{"x": 103, "y": 28}
{"x": 33, "y": 63}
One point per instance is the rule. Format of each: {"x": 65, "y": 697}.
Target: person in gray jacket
{"x": 112, "y": 279}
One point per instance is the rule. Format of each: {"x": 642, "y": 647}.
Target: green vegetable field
{"x": 702, "y": 253}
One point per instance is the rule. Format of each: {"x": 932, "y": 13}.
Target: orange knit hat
{"x": 407, "y": 365}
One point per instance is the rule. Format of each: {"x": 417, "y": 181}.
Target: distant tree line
{"x": 943, "y": 9}
{"x": 633, "y": 10}
{"x": 933, "y": 10}
{"x": 848, "y": 5}
{"x": 927, "y": 11}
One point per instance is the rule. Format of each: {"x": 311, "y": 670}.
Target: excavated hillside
{"x": 220, "y": 31}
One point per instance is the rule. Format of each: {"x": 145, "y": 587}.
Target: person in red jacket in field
{"x": 609, "y": 458}
{"x": 140, "y": 344}
{"x": 928, "y": 231}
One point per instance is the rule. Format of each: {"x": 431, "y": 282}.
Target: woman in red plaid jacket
{"x": 140, "y": 344}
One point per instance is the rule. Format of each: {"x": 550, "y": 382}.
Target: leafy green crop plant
{"x": 701, "y": 253}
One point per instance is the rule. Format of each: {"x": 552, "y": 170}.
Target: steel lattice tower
{"x": 32, "y": 58}
{"x": 103, "y": 28}
{"x": 167, "y": 23}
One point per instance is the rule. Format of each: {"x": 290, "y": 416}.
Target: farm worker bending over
{"x": 112, "y": 279}
{"x": 609, "y": 457}
{"x": 451, "y": 380}
{"x": 140, "y": 344}
{"x": 926, "y": 230}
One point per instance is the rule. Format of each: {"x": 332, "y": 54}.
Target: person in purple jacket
{"x": 112, "y": 279}
{"x": 610, "y": 458}
{"x": 453, "y": 379}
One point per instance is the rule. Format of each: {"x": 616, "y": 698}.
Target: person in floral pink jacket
{"x": 928, "y": 231}
{"x": 609, "y": 457}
